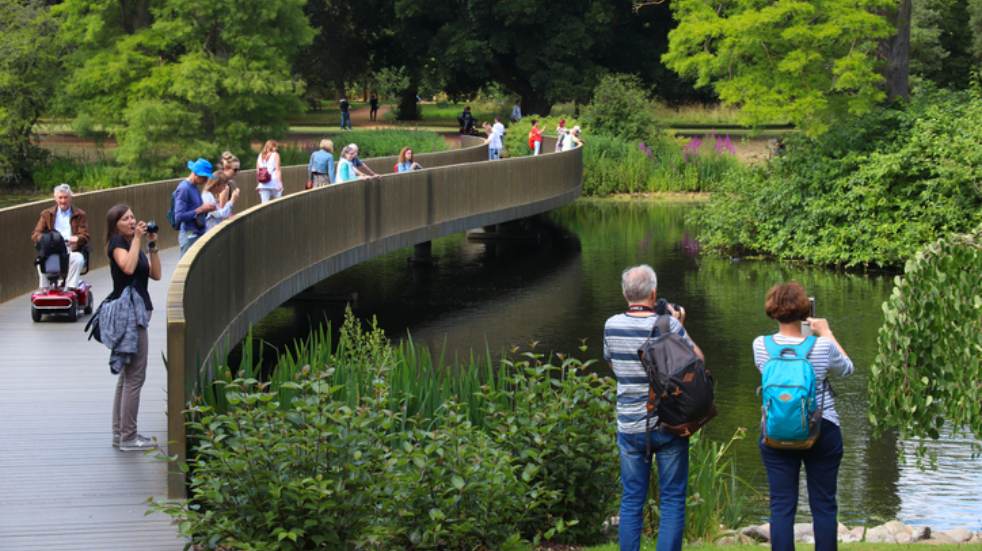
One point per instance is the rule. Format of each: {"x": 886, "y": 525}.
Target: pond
{"x": 553, "y": 286}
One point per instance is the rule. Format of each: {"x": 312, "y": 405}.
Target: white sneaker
{"x": 138, "y": 444}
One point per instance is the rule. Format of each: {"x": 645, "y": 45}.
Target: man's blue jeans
{"x": 494, "y": 154}
{"x": 822, "y": 472}
{"x": 672, "y": 456}
{"x": 345, "y": 120}
{"x": 185, "y": 239}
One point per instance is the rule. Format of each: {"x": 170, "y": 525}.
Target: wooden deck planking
{"x": 62, "y": 485}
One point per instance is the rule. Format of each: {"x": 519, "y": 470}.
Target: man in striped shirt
{"x": 623, "y": 336}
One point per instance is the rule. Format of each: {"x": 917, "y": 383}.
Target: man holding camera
{"x": 188, "y": 205}
{"x": 623, "y": 335}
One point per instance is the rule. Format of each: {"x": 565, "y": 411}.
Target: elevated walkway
{"x": 64, "y": 486}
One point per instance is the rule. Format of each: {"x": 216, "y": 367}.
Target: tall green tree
{"x": 808, "y": 60}
{"x": 172, "y": 79}
{"x": 942, "y": 41}
{"x": 28, "y": 71}
{"x": 347, "y": 34}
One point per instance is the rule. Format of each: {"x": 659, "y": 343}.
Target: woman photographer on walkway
{"x": 788, "y": 304}
{"x": 131, "y": 269}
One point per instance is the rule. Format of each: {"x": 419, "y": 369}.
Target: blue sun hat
{"x": 201, "y": 167}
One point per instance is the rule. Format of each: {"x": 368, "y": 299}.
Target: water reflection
{"x": 558, "y": 287}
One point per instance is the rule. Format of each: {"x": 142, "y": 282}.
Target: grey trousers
{"x": 126, "y": 404}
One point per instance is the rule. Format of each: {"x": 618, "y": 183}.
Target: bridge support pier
{"x": 422, "y": 254}
{"x": 517, "y": 230}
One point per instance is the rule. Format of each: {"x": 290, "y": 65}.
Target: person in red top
{"x": 535, "y": 138}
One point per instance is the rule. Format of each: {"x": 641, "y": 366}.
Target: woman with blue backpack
{"x": 799, "y": 423}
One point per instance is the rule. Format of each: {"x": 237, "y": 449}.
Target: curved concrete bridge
{"x": 63, "y": 486}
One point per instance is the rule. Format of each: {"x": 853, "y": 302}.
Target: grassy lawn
{"x": 649, "y": 545}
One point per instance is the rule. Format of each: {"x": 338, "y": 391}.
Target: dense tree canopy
{"x": 28, "y": 67}
{"x": 946, "y": 40}
{"x": 808, "y": 61}
{"x": 177, "y": 78}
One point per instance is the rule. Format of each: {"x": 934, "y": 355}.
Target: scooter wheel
{"x": 35, "y": 314}
{"x": 88, "y": 303}
{"x": 73, "y": 311}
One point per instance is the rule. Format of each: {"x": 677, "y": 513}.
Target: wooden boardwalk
{"x": 62, "y": 485}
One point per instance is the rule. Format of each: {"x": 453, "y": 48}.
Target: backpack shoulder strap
{"x": 805, "y": 348}
{"x": 662, "y": 326}
{"x": 773, "y": 349}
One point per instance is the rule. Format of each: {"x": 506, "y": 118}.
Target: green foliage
{"x": 809, "y": 61}
{"x": 28, "y": 71}
{"x": 451, "y": 488}
{"x": 174, "y": 79}
{"x": 868, "y": 193}
{"x": 620, "y": 108}
{"x": 941, "y": 35}
{"x": 929, "y": 363}
{"x": 716, "y": 498}
{"x": 475, "y": 455}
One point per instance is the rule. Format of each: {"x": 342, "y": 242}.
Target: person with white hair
{"x": 572, "y": 139}
{"x": 624, "y": 333}
{"x": 73, "y": 226}
{"x": 360, "y": 166}
{"x": 346, "y": 171}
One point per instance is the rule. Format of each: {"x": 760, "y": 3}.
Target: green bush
{"x": 451, "y": 488}
{"x": 522, "y": 437}
{"x": 867, "y": 193}
{"x": 267, "y": 476}
{"x": 556, "y": 424}
{"x": 620, "y": 107}
{"x": 928, "y": 367}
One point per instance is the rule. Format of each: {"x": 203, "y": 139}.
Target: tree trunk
{"x": 408, "y": 106}
{"x": 896, "y": 54}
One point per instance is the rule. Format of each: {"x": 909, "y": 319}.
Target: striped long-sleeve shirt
{"x": 623, "y": 336}
{"x": 824, "y": 357}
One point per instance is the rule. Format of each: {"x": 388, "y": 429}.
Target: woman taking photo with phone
{"x": 131, "y": 269}
{"x": 799, "y": 422}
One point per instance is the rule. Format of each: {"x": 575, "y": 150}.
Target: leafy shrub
{"x": 620, "y": 107}
{"x": 451, "y": 488}
{"x": 868, "y": 193}
{"x": 557, "y": 427}
{"x": 928, "y": 366}
{"x": 267, "y": 476}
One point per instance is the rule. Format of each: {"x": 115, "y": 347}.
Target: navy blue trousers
{"x": 821, "y": 472}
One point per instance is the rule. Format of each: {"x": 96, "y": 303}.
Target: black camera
{"x": 662, "y": 309}
{"x": 152, "y": 227}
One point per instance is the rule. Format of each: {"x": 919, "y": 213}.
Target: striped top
{"x": 623, "y": 336}
{"x": 824, "y": 357}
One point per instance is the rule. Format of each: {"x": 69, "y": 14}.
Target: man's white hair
{"x": 637, "y": 283}
{"x": 63, "y": 188}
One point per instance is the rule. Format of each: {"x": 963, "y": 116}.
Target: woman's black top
{"x": 139, "y": 278}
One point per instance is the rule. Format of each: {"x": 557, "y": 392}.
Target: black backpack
{"x": 680, "y": 386}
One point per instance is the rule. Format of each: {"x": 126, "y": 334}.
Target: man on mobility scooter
{"x": 61, "y": 235}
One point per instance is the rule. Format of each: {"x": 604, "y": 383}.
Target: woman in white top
{"x": 561, "y": 131}
{"x": 572, "y": 140}
{"x": 269, "y": 159}
{"x": 216, "y": 193}
{"x": 346, "y": 170}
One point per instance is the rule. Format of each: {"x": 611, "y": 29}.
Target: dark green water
{"x": 558, "y": 289}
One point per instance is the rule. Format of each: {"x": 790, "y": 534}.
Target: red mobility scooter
{"x": 57, "y": 298}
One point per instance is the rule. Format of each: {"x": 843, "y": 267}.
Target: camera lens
{"x": 152, "y": 227}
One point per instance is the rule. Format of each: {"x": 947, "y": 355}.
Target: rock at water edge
{"x": 758, "y": 533}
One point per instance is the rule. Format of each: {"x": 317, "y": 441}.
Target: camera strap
{"x": 639, "y": 308}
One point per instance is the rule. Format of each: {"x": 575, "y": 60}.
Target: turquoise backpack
{"x": 791, "y": 415}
